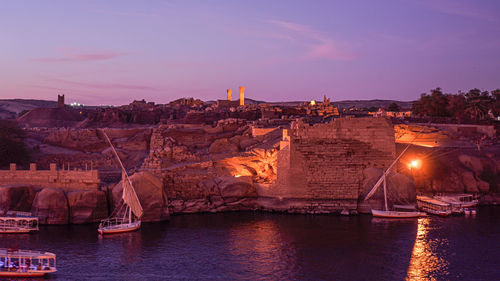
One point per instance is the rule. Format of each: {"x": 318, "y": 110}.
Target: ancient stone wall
{"x": 326, "y": 161}
{"x": 68, "y": 180}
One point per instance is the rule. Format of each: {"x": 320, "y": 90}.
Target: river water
{"x": 270, "y": 246}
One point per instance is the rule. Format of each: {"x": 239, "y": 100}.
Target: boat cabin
{"x": 18, "y": 222}
{"x": 433, "y": 206}
{"x": 15, "y": 262}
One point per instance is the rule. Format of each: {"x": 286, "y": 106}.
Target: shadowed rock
{"x": 51, "y": 206}
{"x": 16, "y": 198}
{"x": 87, "y": 206}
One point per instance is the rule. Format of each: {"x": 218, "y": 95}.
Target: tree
{"x": 434, "y": 104}
{"x": 478, "y": 104}
{"x": 496, "y": 102}
{"x": 457, "y": 106}
{"x": 394, "y": 107}
{"x": 12, "y": 147}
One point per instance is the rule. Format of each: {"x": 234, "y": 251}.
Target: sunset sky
{"x": 112, "y": 52}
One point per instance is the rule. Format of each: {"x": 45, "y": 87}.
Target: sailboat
{"x": 128, "y": 216}
{"x": 386, "y": 213}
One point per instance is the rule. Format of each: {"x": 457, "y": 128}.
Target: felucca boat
{"x": 26, "y": 263}
{"x": 128, "y": 216}
{"x": 386, "y": 213}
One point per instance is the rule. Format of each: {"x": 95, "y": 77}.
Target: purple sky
{"x": 112, "y": 52}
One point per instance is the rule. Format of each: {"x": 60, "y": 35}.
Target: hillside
{"x": 10, "y": 108}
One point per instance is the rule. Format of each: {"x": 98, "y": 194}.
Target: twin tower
{"x": 242, "y": 95}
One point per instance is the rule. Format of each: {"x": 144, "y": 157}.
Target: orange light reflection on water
{"x": 425, "y": 264}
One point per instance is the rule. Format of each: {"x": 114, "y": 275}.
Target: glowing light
{"x": 237, "y": 176}
{"x": 313, "y": 102}
{"x": 415, "y": 164}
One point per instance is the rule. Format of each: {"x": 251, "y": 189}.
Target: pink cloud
{"x": 68, "y": 55}
{"x": 103, "y": 86}
{"x": 318, "y": 44}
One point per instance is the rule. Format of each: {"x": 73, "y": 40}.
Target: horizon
{"x": 116, "y": 52}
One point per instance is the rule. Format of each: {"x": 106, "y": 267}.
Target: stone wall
{"x": 68, "y": 180}
{"x": 325, "y": 162}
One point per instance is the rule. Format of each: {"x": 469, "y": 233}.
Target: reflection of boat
{"x": 128, "y": 216}
{"x": 18, "y": 222}
{"x": 433, "y": 206}
{"x": 459, "y": 202}
{"x": 26, "y": 263}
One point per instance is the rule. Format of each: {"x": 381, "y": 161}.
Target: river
{"x": 270, "y": 246}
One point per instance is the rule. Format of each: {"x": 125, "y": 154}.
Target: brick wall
{"x": 326, "y": 161}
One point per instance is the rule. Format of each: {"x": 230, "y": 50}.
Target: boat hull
{"x": 120, "y": 228}
{"x": 396, "y": 214}
{"x": 24, "y": 274}
{"x": 14, "y": 231}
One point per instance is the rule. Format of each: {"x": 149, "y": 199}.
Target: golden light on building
{"x": 313, "y": 103}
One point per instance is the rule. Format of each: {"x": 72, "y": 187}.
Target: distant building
{"x": 60, "y": 101}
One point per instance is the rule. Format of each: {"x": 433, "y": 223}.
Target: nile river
{"x": 267, "y": 246}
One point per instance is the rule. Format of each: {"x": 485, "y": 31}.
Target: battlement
{"x": 66, "y": 179}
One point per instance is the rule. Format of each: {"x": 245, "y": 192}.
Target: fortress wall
{"x": 69, "y": 180}
{"x": 326, "y": 161}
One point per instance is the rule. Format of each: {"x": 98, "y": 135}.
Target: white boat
{"x": 386, "y": 213}
{"x": 26, "y": 263}
{"x": 128, "y": 216}
{"x": 459, "y": 202}
{"x": 18, "y": 222}
{"x": 433, "y": 206}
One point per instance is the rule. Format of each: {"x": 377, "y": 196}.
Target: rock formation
{"x": 51, "y": 206}
{"x": 16, "y": 197}
{"x": 87, "y": 206}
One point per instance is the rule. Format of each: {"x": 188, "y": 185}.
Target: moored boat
{"x": 397, "y": 214}
{"x": 128, "y": 216}
{"x": 386, "y": 213}
{"x": 459, "y": 202}
{"x": 433, "y": 206}
{"x": 26, "y": 263}
{"x": 18, "y": 222}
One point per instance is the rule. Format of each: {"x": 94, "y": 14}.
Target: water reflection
{"x": 131, "y": 244}
{"x": 259, "y": 248}
{"x": 425, "y": 262}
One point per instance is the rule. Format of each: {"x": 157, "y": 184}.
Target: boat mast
{"x": 385, "y": 193}
{"x": 127, "y": 177}
{"x": 382, "y": 178}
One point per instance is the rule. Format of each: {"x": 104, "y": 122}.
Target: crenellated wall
{"x": 68, "y": 180}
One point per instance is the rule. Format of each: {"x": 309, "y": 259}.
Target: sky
{"x": 114, "y": 52}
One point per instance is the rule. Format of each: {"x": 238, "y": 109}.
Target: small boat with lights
{"x": 460, "y": 203}
{"x": 433, "y": 206}
{"x": 18, "y": 222}
{"x": 26, "y": 263}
